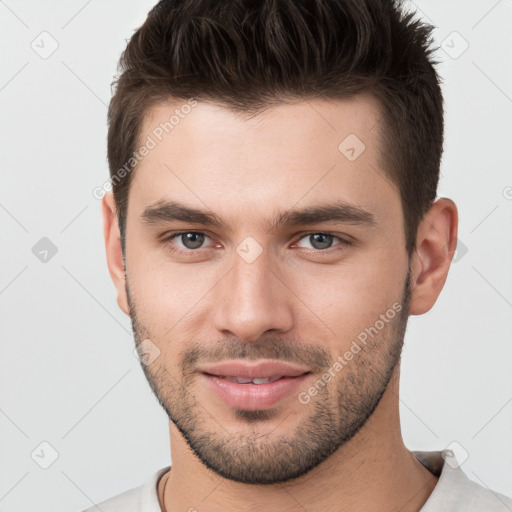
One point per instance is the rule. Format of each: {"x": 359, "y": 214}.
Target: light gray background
{"x": 67, "y": 369}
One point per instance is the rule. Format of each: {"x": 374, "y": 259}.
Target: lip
{"x": 260, "y": 370}
{"x": 253, "y": 396}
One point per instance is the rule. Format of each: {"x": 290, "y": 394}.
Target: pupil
{"x": 192, "y": 240}
{"x": 321, "y": 241}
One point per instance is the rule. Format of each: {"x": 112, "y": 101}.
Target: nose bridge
{"x": 251, "y": 299}
{"x": 251, "y": 280}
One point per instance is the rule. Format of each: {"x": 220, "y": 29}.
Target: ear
{"x": 113, "y": 249}
{"x": 436, "y": 241}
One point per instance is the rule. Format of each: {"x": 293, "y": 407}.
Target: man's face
{"x": 252, "y": 291}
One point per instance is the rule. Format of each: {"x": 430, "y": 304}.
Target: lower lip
{"x": 254, "y": 396}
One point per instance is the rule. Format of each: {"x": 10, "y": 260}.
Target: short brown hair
{"x": 248, "y": 56}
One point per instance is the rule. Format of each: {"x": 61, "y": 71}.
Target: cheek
{"x": 332, "y": 303}
{"x": 347, "y": 299}
{"x": 167, "y": 295}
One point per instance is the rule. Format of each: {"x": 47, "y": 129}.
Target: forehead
{"x": 207, "y": 123}
{"x": 207, "y": 155}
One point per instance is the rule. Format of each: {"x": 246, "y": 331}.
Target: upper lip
{"x": 261, "y": 370}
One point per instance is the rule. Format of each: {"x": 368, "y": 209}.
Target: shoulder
{"x": 455, "y": 490}
{"x": 127, "y": 501}
{"x": 143, "y": 498}
{"x": 476, "y": 497}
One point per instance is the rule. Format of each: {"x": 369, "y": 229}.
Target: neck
{"x": 372, "y": 472}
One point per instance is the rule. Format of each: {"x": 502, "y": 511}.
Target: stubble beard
{"x": 336, "y": 413}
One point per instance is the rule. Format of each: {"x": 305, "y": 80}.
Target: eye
{"x": 190, "y": 240}
{"x": 193, "y": 241}
{"x": 323, "y": 241}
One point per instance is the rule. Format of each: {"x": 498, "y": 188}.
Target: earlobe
{"x": 436, "y": 242}
{"x": 113, "y": 249}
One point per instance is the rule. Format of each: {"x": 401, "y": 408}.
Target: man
{"x": 273, "y": 224}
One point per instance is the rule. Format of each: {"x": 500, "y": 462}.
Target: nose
{"x": 251, "y": 300}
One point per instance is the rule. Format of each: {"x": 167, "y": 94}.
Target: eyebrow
{"x": 339, "y": 212}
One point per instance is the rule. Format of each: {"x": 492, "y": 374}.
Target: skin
{"x": 294, "y": 299}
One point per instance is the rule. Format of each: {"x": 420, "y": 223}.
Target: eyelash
{"x": 340, "y": 246}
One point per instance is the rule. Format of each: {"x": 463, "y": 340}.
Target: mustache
{"x": 314, "y": 357}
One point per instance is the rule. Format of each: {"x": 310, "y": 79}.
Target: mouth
{"x": 253, "y": 386}
{"x": 247, "y": 380}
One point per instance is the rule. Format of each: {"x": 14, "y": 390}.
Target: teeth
{"x": 240, "y": 380}
{"x": 264, "y": 381}
{"x": 245, "y": 380}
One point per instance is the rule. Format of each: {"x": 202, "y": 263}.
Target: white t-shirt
{"x": 454, "y": 491}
